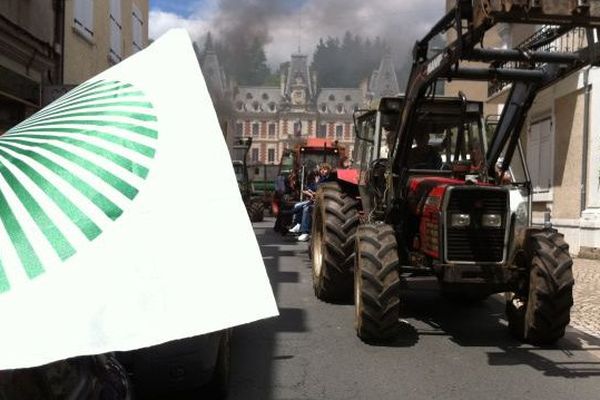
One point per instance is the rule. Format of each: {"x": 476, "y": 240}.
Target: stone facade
{"x": 30, "y": 43}
{"x": 99, "y": 34}
{"x": 276, "y": 116}
{"x": 49, "y": 46}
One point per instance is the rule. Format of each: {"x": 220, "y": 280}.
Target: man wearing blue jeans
{"x": 303, "y": 209}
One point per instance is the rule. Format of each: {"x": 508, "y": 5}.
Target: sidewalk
{"x": 585, "y": 314}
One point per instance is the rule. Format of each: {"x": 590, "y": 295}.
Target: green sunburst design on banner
{"x": 66, "y": 171}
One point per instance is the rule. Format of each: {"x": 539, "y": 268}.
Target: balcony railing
{"x": 549, "y": 38}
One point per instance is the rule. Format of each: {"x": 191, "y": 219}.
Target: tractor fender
{"x": 348, "y": 175}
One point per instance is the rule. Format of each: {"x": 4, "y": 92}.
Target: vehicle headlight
{"x": 522, "y": 214}
{"x": 491, "y": 221}
{"x": 460, "y": 220}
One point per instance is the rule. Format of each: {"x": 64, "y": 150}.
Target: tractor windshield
{"x": 441, "y": 145}
{"x": 311, "y": 159}
{"x": 445, "y": 141}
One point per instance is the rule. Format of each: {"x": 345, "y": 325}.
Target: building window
{"x": 115, "y": 53}
{"x": 348, "y": 97}
{"x": 339, "y": 131}
{"x": 272, "y": 107}
{"x": 265, "y": 96}
{"x": 254, "y": 155}
{"x": 255, "y": 129}
{"x": 271, "y": 130}
{"x": 322, "y": 132}
{"x": 271, "y": 155}
{"x": 256, "y": 106}
{"x": 240, "y": 106}
{"x": 249, "y": 96}
{"x": 137, "y": 21}
{"x": 540, "y": 157}
{"x": 297, "y": 128}
{"x": 340, "y": 108}
{"x": 331, "y": 97}
{"x": 83, "y": 18}
{"x": 324, "y": 108}
{"x": 239, "y": 129}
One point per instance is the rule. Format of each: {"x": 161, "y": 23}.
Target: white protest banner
{"x": 121, "y": 222}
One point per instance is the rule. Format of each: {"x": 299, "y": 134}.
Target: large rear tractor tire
{"x": 541, "y": 312}
{"x": 376, "y": 284}
{"x": 335, "y": 219}
{"x": 256, "y": 211}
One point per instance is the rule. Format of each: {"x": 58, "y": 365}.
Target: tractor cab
{"x": 254, "y": 204}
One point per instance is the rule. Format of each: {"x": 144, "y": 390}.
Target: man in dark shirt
{"x": 424, "y": 156}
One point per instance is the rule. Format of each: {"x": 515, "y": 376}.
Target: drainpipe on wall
{"x": 59, "y": 39}
{"x": 586, "y": 135}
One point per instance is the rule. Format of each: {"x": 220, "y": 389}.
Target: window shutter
{"x": 79, "y": 13}
{"x": 115, "y": 12}
{"x": 115, "y": 42}
{"x": 137, "y": 23}
{"x": 533, "y": 154}
{"x": 546, "y": 156}
{"x": 83, "y": 17}
{"x": 116, "y": 28}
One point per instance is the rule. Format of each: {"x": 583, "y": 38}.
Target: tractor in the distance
{"x": 446, "y": 201}
{"x": 296, "y": 164}
{"x": 253, "y": 201}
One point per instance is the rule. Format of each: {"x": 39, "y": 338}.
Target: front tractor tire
{"x": 376, "y": 284}
{"x": 541, "y": 312}
{"x": 256, "y": 211}
{"x": 335, "y": 219}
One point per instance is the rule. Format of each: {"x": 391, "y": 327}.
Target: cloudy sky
{"x": 283, "y": 25}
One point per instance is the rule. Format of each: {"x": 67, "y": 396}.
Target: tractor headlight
{"x": 491, "y": 221}
{"x": 460, "y": 220}
{"x": 522, "y": 214}
{"x": 519, "y": 205}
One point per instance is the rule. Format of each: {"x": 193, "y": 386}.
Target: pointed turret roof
{"x": 298, "y": 74}
{"x": 384, "y": 81}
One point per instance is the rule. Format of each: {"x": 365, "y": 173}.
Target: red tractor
{"x": 436, "y": 197}
{"x": 295, "y": 166}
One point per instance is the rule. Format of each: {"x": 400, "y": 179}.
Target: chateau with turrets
{"x": 276, "y": 116}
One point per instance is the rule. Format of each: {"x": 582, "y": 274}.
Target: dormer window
{"x": 265, "y": 96}
{"x": 249, "y": 96}
{"x": 340, "y": 108}
{"x": 348, "y": 97}
{"x": 239, "y": 105}
{"x": 256, "y": 106}
{"x": 331, "y": 97}
{"x": 324, "y": 107}
{"x": 272, "y": 107}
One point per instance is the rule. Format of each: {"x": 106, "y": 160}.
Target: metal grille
{"x": 476, "y": 243}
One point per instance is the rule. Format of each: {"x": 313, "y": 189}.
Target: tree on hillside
{"x": 245, "y": 61}
{"x": 347, "y": 62}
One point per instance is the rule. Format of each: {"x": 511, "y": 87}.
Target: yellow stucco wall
{"x": 567, "y": 155}
{"x": 85, "y": 58}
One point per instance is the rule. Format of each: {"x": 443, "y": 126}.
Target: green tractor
{"x": 254, "y": 202}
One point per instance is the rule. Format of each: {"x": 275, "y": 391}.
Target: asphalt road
{"x": 447, "y": 351}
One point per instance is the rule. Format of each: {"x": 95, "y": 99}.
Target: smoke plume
{"x": 283, "y": 25}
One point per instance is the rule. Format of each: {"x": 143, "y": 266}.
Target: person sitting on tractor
{"x": 345, "y": 163}
{"x": 299, "y": 208}
{"x": 305, "y": 208}
{"x": 424, "y": 156}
